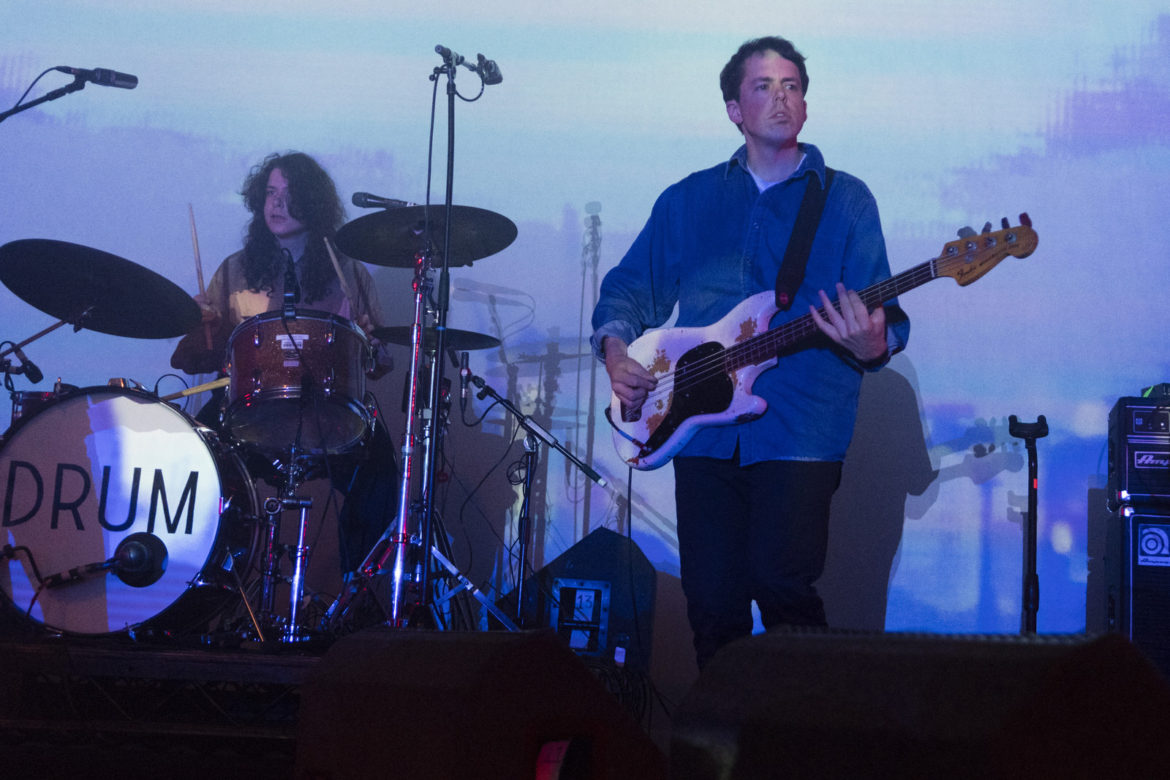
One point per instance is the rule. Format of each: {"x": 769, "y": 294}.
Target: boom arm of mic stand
{"x": 31, "y": 339}
{"x": 78, "y": 83}
{"x": 532, "y": 427}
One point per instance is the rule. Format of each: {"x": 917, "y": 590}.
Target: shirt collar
{"x": 813, "y": 161}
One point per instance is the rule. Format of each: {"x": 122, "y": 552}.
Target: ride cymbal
{"x": 394, "y": 237}
{"x": 96, "y": 290}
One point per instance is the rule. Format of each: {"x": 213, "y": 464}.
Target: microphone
{"x": 102, "y": 76}
{"x": 453, "y": 57}
{"x": 464, "y": 381}
{"x": 365, "y": 200}
{"x": 30, "y": 368}
{"x": 292, "y": 287}
{"x": 488, "y": 70}
{"x": 140, "y": 559}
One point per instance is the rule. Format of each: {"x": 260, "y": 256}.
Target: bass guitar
{"x": 705, "y": 374}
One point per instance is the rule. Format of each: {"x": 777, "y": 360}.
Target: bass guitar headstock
{"x": 972, "y": 255}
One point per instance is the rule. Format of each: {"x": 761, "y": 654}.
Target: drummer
{"x": 295, "y": 207}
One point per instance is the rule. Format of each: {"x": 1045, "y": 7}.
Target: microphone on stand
{"x": 292, "y": 287}
{"x": 464, "y": 381}
{"x": 102, "y": 76}
{"x": 30, "y": 369}
{"x": 365, "y": 200}
{"x": 488, "y": 70}
{"x": 139, "y": 560}
{"x": 453, "y": 57}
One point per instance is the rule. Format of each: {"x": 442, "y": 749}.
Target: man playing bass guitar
{"x": 752, "y": 497}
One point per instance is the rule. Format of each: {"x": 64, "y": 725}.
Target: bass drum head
{"x": 96, "y": 467}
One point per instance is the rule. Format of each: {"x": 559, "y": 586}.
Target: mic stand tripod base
{"x": 474, "y": 591}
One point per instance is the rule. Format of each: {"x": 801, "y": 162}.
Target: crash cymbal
{"x": 96, "y": 290}
{"x": 457, "y": 340}
{"x": 395, "y": 236}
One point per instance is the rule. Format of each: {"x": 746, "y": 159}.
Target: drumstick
{"x": 214, "y": 384}
{"x": 341, "y": 278}
{"x": 199, "y": 270}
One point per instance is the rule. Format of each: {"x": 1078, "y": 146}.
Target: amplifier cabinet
{"x": 1139, "y": 593}
{"x": 1139, "y": 453}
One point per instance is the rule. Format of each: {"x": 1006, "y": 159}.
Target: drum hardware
{"x": 273, "y": 509}
{"x": 126, "y": 384}
{"x": 26, "y": 403}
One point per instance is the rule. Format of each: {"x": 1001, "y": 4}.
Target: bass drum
{"x": 89, "y": 477}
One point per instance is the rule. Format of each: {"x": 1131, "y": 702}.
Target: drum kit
{"x": 123, "y": 515}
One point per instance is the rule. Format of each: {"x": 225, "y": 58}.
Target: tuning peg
{"x": 966, "y": 232}
{"x": 1005, "y": 223}
{"x": 1025, "y": 219}
{"x": 986, "y": 227}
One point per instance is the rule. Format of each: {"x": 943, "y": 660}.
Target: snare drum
{"x": 298, "y": 382}
{"x": 98, "y": 466}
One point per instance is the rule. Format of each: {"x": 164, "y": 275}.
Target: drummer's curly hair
{"x": 313, "y": 201}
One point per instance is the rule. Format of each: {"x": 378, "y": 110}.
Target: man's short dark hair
{"x": 732, "y": 74}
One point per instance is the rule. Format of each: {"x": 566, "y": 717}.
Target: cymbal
{"x": 457, "y": 340}
{"x": 394, "y": 236}
{"x": 96, "y": 290}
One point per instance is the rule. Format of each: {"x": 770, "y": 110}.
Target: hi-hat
{"x": 96, "y": 290}
{"x": 395, "y": 236}
{"x": 457, "y": 340}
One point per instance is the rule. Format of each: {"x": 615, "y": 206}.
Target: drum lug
{"x": 256, "y": 338}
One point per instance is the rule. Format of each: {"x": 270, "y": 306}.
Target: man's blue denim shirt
{"x": 713, "y": 240}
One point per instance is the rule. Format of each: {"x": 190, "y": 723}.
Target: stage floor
{"x": 112, "y": 708}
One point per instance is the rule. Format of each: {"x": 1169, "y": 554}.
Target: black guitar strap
{"x": 791, "y": 272}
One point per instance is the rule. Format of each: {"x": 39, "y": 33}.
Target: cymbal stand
{"x": 402, "y": 538}
{"x": 395, "y": 544}
{"x": 531, "y": 446}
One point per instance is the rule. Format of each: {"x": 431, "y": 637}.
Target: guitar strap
{"x": 791, "y": 272}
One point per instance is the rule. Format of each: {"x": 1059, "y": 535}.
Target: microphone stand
{"x": 1030, "y": 432}
{"x": 532, "y": 451}
{"x": 78, "y": 84}
{"x": 407, "y": 534}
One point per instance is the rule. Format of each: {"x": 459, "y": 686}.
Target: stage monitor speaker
{"x": 1139, "y": 577}
{"x": 598, "y": 596}
{"x": 820, "y": 704}
{"x": 425, "y": 704}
